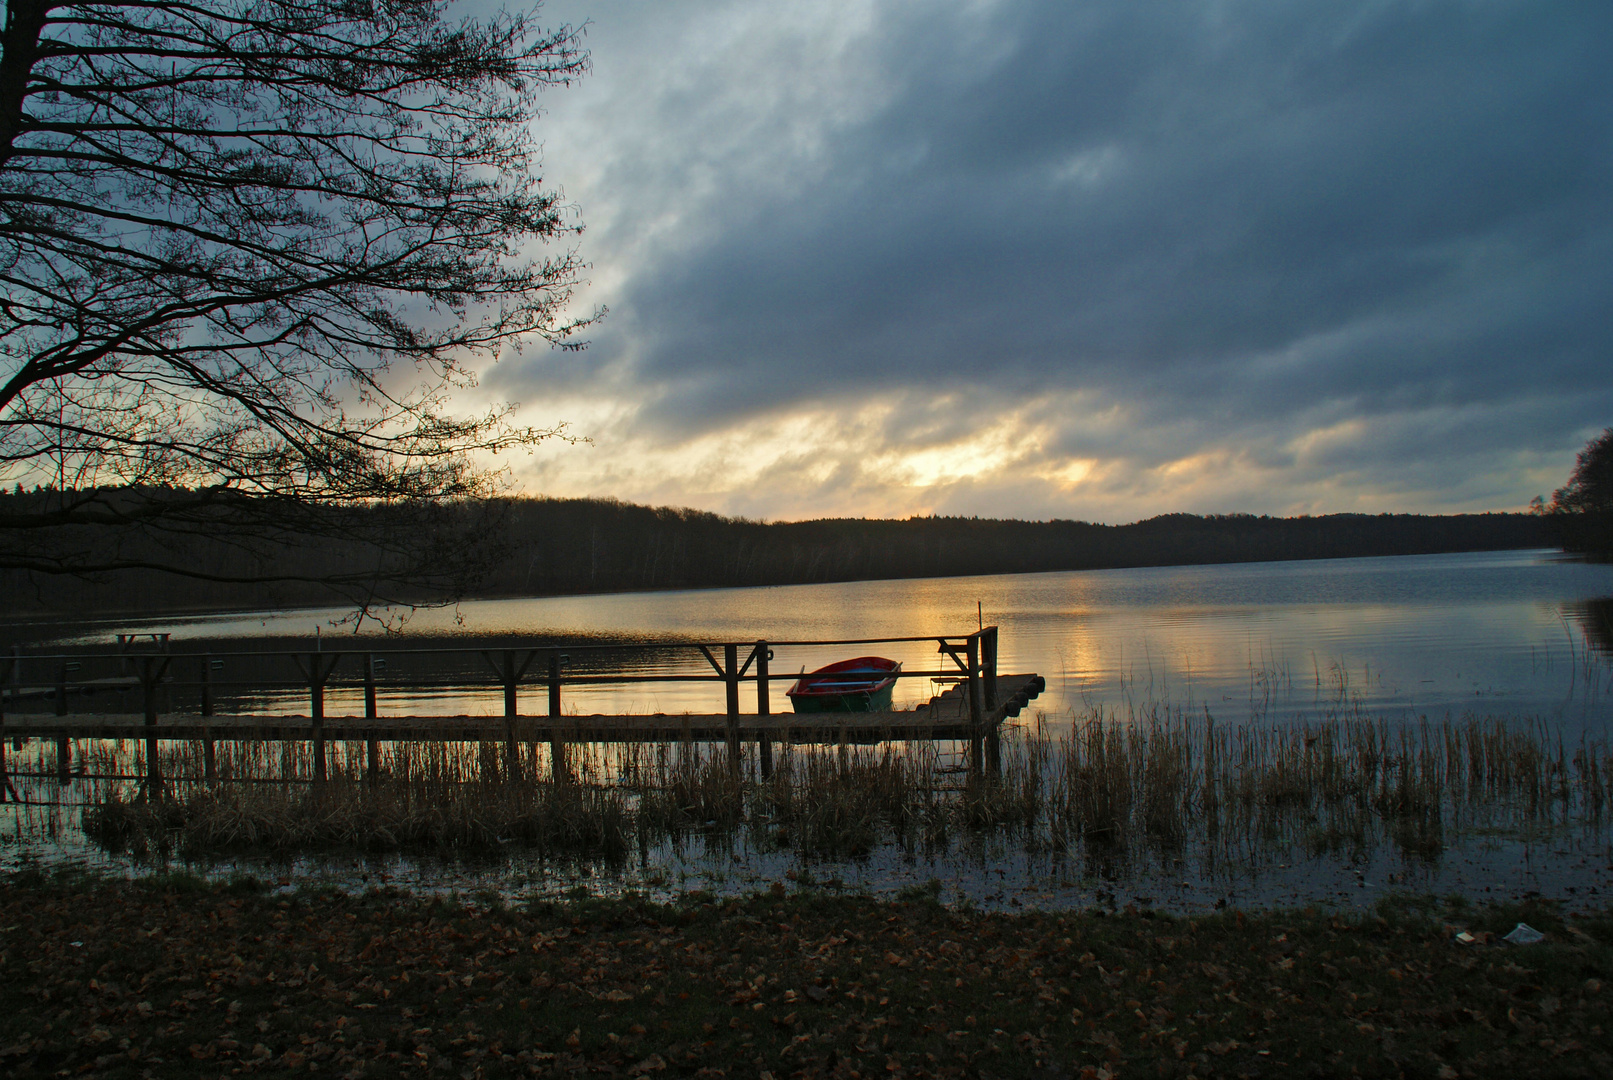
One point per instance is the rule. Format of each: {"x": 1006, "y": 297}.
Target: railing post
{"x": 764, "y": 708}
{"x": 209, "y": 762}
{"x": 5, "y": 775}
{"x": 316, "y": 713}
{"x": 150, "y": 675}
{"x": 16, "y": 689}
{"x": 512, "y": 754}
{"x": 371, "y": 746}
{"x": 730, "y": 659}
{"x": 63, "y": 748}
{"x": 988, "y": 664}
{"x": 988, "y": 688}
{"x": 557, "y": 745}
{"x": 972, "y": 692}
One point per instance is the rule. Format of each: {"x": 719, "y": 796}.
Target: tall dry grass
{"x": 1146, "y": 780}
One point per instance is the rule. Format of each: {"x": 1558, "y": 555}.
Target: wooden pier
{"x": 973, "y": 706}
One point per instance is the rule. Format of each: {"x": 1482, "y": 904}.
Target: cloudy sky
{"x": 1097, "y": 259}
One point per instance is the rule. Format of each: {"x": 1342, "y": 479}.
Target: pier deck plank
{"x": 943, "y": 717}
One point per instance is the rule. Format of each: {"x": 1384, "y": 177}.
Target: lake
{"x": 1519, "y": 634}
{"x": 1491, "y": 633}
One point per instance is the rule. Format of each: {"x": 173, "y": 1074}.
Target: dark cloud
{"x": 1237, "y": 222}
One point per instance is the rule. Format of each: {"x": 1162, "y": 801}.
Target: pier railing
{"x": 167, "y": 678}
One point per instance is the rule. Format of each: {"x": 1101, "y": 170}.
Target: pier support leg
{"x": 320, "y": 665}
{"x": 512, "y": 753}
{"x": 559, "y": 767}
{"x": 372, "y": 749}
{"x": 64, "y": 759}
{"x": 316, "y": 709}
{"x": 151, "y": 673}
{"x": 764, "y": 709}
{"x": 994, "y": 753}
{"x": 209, "y": 761}
{"x": 730, "y": 658}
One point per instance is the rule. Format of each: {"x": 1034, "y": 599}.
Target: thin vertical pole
{"x": 372, "y": 749}
{"x": 557, "y": 745}
{"x": 5, "y": 775}
{"x": 988, "y": 664}
{"x": 209, "y": 762}
{"x": 972, "y": 689}
{"x": 316, "y": 713}
{"x": 63, "y": 750}
{"x": 150, "y": 674}
{"x": 512, "y": 756}
{"x": 730, "y": 659}
{"x": 16, "y": 688}
{"x": 764, "y": 708}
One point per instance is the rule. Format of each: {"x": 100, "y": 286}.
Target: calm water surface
{"x": 1493, "y": 633}
{"x": 1512, "y": 634}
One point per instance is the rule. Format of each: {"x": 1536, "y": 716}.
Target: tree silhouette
{"x": 248, "y": 250}
{"x": 1590, "y": 487}
{"x": 1582, "y": 510}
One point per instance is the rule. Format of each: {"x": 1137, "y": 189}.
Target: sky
{"x": 1090, "y": 259}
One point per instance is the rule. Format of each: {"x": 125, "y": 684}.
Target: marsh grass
{"x": 1146, "y": 781}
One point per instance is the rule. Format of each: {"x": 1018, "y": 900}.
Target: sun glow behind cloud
{"x": 1102, "y": 261}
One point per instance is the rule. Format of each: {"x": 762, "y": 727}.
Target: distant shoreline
{"x": 580, "y": 547}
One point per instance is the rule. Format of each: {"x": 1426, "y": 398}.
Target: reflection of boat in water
{"x": 1595, "y": 617}
{"x": 860, "y": 685}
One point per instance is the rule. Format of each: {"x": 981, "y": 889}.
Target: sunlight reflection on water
{"x": 1438, "y": 635}
{"x": 1449, "y": 635}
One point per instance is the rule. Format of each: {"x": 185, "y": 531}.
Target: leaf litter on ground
{"x": 178, "y": 977}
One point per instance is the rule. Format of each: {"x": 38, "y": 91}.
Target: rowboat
{"x": 860, "y": 685}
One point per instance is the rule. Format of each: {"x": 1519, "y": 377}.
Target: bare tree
{"x": 1580, "y": 514}
{"x": 248, "y": 251}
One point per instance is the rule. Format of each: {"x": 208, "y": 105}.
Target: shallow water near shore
{"x": 1510, "y": 634}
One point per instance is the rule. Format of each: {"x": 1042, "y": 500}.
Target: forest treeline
{"x": 548, "y": 546}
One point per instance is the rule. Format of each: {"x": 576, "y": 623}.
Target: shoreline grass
{"x": 178, "y": 977}
{"x": 1151, "y": 782}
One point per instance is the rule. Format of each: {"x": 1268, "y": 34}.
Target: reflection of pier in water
{"x": 970, "y": 705}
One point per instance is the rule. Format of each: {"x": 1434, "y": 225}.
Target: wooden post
{"x": 988, "y": 688}
{"x": 209, "y": 763}
{"x": 316, "y": 713}
{"x": 512, "y": 753}
{"x": 764, "y": 709}
{"x": 150, "y": 675}
{"x": 988, "y": 664}
{"x": 372, "y": 747}
{"x": 5, "y": 775}
{"x": 730, "y": 658}
{"x": 317, "y": 672}
{"x": 207, "y": 685}
{"x": 972, "y": 692}
{"x": 557, "y": 745}
{"x": 63, "y": 750}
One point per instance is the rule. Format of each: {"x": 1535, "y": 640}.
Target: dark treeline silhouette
{"x": 558, "y": 546}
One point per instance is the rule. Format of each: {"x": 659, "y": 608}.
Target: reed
{"x": 1145, "y": 780}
